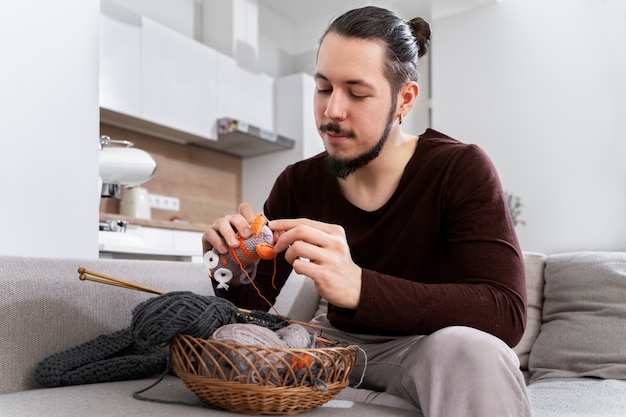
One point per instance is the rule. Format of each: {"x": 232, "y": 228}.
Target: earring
{"x": 400, "y": 119}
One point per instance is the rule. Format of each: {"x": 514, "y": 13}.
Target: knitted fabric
{"x": 112, "y": 357}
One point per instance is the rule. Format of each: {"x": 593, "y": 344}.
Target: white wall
{"x": 49, "y": 128}
{"x": 541, "y": 86}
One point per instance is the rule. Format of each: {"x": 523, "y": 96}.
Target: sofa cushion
{"x": 534, "y": 264}
{"x": 578, "y": 397}
{"x": 583, "y": 333}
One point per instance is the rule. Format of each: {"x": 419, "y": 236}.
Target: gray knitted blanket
{"x": 107, "y": 358}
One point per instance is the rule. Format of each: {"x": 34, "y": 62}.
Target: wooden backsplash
{"x": 207, "y": 183}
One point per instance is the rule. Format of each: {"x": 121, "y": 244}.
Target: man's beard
{"x": 342, "y": 168}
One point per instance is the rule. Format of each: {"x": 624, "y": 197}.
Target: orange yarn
{"x": 265, "y": 251}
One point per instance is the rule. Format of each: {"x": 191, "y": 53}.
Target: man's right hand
{"x": 221, "y": 234}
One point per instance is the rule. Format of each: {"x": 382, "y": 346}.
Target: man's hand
{"x": 221, "y": 234}
{"x": 321, "y": 252}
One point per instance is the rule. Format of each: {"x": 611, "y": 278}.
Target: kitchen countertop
{"x": 163, "y": 224}
{"x": 153, "y": 253}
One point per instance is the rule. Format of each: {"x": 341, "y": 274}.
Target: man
{"x": 408, "y": 238}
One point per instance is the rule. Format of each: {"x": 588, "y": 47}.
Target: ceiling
{"x": 300, "y": 10}
{"x": 305, "y": 15}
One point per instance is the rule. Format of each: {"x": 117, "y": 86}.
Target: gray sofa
{"x": 573, "y": 352}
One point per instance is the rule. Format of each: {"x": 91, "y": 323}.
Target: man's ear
{"x": 407, "y": 97}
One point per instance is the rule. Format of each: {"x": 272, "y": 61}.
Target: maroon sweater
{"x": 441, "y": 252}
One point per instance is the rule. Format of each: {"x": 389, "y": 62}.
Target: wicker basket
{"x": 259, "y": 380}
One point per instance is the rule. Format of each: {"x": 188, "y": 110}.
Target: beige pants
{"x": 456, "y": 371}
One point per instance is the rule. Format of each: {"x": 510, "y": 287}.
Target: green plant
{"x": 515, "y": 207}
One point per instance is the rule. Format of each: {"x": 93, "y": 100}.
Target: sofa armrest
{"x": 298, "y": 299}
{"x": 534, "y": 264}
{"x": 46, "y": 309}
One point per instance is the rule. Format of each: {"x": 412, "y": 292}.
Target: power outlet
{"x": 164, "y": 202}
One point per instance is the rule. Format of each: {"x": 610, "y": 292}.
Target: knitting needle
{"x": 117, "y": 282}
{"x": 109, "y": 280}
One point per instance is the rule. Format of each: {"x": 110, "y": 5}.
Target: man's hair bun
{"x": 421, "y": 31}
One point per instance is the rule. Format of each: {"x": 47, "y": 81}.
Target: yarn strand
{"x": 269, "y": 303}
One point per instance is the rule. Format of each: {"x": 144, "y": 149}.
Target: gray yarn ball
{"x": 157, "y": 320}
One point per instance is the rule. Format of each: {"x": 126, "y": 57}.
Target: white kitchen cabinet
{"x": 185, "y": 239}
{"x": 158, "y": 81}
{"x": 140, "y": 242}
{"x": 244, "y": 95}
{"x": 120, "y": 61}
{"x": 178, "y": 81}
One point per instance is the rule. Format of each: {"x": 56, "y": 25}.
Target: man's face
{"x": 354, "y": 110}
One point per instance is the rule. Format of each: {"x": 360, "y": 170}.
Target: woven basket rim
{"x": 336, "y": 345}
